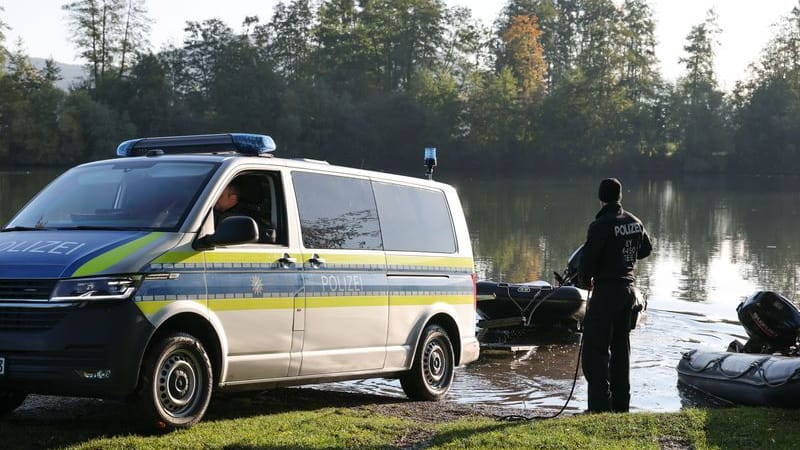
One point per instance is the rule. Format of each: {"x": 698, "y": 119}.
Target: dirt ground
{"x": 225, "y": 405}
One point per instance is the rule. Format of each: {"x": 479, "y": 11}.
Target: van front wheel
{"x": 176, "y": 383}
{"x": 432, "y": 373}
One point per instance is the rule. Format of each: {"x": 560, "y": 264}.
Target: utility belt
{"x": 639, "y": 300}
{"x": 613, "y": 282}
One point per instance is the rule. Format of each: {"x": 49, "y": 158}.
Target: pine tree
{"x": 703, "y": 126}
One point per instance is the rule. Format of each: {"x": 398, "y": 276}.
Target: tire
{"x": 434, "y": 364}
{"x": 10, "y": 400}
{"x": 176, "y": 383}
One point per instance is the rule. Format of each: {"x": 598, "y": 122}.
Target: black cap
{"x": 610, "y": 191}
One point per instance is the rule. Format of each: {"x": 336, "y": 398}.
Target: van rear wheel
{"x": 176, "y": 383}
{"x": 432, "y": 373}
{"x": 10, "y": 400}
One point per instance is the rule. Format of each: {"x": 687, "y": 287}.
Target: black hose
{"x": 520, "y": 418}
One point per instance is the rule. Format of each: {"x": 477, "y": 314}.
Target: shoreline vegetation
{"x": 308, "y": 418}
{"x": 550, "y": 85}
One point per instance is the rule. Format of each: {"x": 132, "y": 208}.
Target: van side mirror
{"x": 231, "y": 231}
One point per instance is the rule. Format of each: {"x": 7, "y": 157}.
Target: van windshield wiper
{"x": 23, "y": 229}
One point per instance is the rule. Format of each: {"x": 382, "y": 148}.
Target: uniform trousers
{"x": 607, "y": 348}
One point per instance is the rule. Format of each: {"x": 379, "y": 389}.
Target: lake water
{"x": 716, "y": 241}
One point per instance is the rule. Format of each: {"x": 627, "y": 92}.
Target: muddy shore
{"x": 98, "y": 412}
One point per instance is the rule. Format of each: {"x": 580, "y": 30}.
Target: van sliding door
{"x": 344, "y": 271}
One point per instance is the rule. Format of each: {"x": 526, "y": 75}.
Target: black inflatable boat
{"x": 747, "y": 379}
{"x": 765, "y": 371}
{"x": 538, "y": 303}
{"x": 506, "y": 305}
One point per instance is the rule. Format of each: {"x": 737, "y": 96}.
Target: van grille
{"x": 26, "y": 289}
{"x": 29, "y": 319}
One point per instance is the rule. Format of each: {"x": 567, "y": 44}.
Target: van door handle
{"x": 286, "y": 260}
{"x": 316, "y": 261}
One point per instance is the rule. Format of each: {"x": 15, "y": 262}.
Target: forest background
{"x": 551, "y": 85}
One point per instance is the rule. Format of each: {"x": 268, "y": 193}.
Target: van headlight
{"x": 100, "y": 288}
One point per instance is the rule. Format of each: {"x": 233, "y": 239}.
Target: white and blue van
{"x": 119, "y": 280}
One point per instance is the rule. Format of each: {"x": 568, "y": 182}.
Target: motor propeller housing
{"x": 570, "y": 276}
{"x": 771, "y": 320}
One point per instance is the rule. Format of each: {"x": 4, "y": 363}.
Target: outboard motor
{"x": 772, "y": 321}
{"x": 570, "y": 276}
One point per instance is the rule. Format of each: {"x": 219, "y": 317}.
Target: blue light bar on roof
{"x": 246, "y": 144}
{"x": 253, "y": 144}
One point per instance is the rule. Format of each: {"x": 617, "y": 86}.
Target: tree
{"x": 151, "y": 100}
{"x": 523, "y": 54}
{"x": 31, "y": 109}
{"x": 768, "y": 105}
{"x": 3, "y": 26}
{"x": 699, "y": 61}
{"x": 641, "y": 82}
{"x": 493, "y": 113}
{"x": 346, "y": 57}
{"x": 466, "y": 44}
{"x": 133, "y": 34}
{"x": 640, "y": 75}
{"x": 560, "y": 26}
{"x": 95, "y": 25}
{"x": 289, "y": 41}
{"x": 203, "y": 46}
{"x": 404, "y": 36}
{"x": 704, "y": 139}
{"x": 247, "y": 93}
{"x": 108, "y": 34}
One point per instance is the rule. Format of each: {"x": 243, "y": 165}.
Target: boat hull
{"x": 534, "y": 304}
{"x": 743, "y": 378}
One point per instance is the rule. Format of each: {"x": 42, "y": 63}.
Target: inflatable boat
{"x": 506, "y": 305}
{"x": 536, "y": 303}
{"x": 747, "y": 379}
{"x": 765, "y": 371}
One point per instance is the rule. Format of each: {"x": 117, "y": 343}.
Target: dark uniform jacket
{"x": 616, "y": 239}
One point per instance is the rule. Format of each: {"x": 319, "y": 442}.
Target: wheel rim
{"x": 179, "y": 383}
{"x": 436, "y": 366}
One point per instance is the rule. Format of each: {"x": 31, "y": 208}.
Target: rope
{"x": 758, "y": 365}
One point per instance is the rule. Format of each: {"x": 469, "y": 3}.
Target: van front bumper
{"x": 88, "y": 349}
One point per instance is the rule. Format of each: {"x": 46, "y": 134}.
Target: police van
{"x": 121, "y": 279}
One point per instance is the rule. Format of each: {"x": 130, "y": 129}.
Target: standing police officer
{"x": 616, "y": 239}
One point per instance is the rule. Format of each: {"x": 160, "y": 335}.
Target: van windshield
{"x": 122, "y": 194}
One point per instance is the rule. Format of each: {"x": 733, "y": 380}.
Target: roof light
{"x": 253, "y": 144}
{"x": 247, "y": 144}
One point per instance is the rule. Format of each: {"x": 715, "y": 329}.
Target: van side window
{"x": 261, "y": 198}
{"x": 414, "y": 219}
{"x": 336, "y": 212}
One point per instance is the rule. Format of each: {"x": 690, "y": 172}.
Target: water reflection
{"x": 716, "y": 240}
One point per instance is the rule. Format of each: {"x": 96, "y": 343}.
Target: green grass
{"x": 282, "y": 423}
{"x": 732, "y": 428}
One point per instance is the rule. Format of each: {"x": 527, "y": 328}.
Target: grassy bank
{"x": 303, "y": 421}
